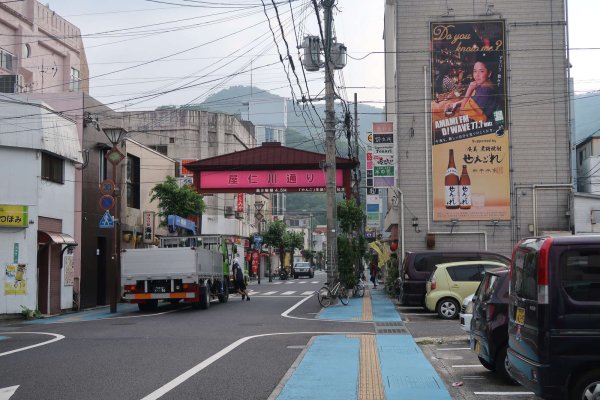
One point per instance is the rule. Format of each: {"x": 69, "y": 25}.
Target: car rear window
{"x": 427, "y": 262}
{"x": 487, "y": 287}
{"x": 465, "y": 273}
{"x": 525, "y": 269}
{"x": 580, "y": 274}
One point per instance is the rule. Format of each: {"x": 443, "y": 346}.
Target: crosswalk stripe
{"x": 308, "y": 293}
{"x": 269, "y": 293}
{"x": 315, "y": 282}
{"x": 288, "y": 293}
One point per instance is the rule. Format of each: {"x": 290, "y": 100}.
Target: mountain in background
{"x": 305, "y": 129}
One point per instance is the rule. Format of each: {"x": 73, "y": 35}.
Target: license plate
{"x": 520, "y": 317}
{"x": 477, "y": 347}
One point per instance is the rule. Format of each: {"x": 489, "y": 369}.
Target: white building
{"x": 39, "y": 153}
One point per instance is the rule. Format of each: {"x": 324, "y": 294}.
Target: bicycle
{"x": 359, "y": 288}
{"x": 326, "y": 296}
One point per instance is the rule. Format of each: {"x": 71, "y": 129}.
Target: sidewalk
{"x": 387, "y": 365}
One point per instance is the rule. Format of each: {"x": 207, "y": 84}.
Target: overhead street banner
{"x": 469, "y": 125}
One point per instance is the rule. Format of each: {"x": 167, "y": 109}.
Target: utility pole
{"x": 330, "y": 159}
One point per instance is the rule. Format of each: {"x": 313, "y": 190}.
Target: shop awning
{"x": 56, "y": 238}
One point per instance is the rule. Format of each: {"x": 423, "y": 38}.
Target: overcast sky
{"x": 143, "y": 54}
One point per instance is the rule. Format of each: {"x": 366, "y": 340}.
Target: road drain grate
{"x": 390, "y": 328}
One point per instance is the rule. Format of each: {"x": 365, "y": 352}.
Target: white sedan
{"x": 466, "y": 312}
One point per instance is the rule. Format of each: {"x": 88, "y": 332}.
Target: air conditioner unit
{"x": 11, "y": 83}
{"x": 229, "y": 212}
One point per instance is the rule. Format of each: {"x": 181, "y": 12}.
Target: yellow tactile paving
{"x": 370, "y": 386}
{"x": 367, "y": 309}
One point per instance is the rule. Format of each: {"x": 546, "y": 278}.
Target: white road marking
{"x": 308, "y": 293}
{"x": 315, "y": 282}
{"x": 276, "y": 283}
{"x": 7, "y": 392}
{"x": 158, "y": 393}
{"x": 57, "y": 337}
{"x": 468, "y": 366}
{"x": 268, "y": 293}
{"x": 429, "y": 314}
{"x": 453, "y": 348}
{"x": 505, "y": 393}
{"x": 288, "y": 293}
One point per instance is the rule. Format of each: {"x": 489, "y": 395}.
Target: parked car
{"x": 450, "y": 283}
{"x": 418, "y": 266}
{"x": 489, "y": 325}
{"x": 554, "y": 316}
{"x": 466, "y": 313}
{"x": 303, "y": 269}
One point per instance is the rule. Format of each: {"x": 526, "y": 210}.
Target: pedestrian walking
{"x": 238, "y": 277}
{"x": 374, "y": 271}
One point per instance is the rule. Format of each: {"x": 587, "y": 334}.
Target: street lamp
{"x": 115, "y": 136}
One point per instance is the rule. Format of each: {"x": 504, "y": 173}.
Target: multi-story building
{"x": 480, "y": 90}
{"x": 43, "y": 56}
{"x": 40, "y": 153}
{"x": 190, "y": 134}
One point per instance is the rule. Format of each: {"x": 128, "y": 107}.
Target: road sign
{"x": 107, "y": 221}
{"x": 114, "y": 156}
{"x": 106, "y": 202}
{"x": 107, "y": 186}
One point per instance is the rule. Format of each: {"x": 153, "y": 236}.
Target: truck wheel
{"x": 204, "y": 297}
{"x": 225, "y": 295}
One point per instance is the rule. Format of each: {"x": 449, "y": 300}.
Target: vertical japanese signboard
{"x": 373, "y": 211}
{"x": 148, "y": 235}
{"x": 470, "y": 154}
{"x": 383, "y": 154}
{"x": 240, "y": 203}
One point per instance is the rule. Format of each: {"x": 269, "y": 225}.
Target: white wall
{"x": 19, "y": 189}
{"x": 586, "y": 210}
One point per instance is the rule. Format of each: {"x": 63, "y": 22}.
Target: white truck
{"x": 192, "y": 269}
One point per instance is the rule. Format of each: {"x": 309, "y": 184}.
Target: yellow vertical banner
{"x": 470, "y": 146}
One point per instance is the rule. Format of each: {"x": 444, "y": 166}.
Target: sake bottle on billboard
{"x": 464, "y": 189}
{"x": 451, "y": 183}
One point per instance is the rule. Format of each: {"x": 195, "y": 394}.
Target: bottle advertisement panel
{"x": 470, "y": 153}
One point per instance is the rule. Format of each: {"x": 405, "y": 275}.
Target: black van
{"x": 489, "y": 325}
{"x": 418, "y": 266}
{"x": 554, "y": 316}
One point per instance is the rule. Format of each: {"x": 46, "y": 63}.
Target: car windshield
{"x": 302, "y": 265}
{"x": 486, "y": 287}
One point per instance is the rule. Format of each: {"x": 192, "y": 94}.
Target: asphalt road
{"x": 237, "y": 350}
{"x": 447, "y": 347}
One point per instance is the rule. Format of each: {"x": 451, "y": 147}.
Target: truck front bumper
{"x": 150, "y": 296}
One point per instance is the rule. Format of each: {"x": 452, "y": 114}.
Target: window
{"x": 465, "y": 273}
{"x": 269, "y": 134}
{"x": 52, "y": 168}
{"x": 133, "y": 182}
{"x": 7, "y": 60}
{"x": 26, "y": 50}
{"x": 102, "y": 166}
{"x": 75, "y": 84}
{"x": 580, "y": 274}
{"x": 525, "y": 274}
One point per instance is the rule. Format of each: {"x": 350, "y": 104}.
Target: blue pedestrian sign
{"x": 107, "y": 221}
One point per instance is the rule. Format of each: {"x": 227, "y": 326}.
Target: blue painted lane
{"x": 405, "y": 372}
{"x": 383, "y": 307}
{"x": 98, "y": 313}
{"x": 340, "y": 312}
{"x": 329, "y": 370}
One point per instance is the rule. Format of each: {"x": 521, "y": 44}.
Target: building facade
{"x": 511, "y": 150}
{"x": 189, "y": 134}
{"x": 39, "y": 156}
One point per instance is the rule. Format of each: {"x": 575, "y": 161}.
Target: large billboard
{"x": 470, "y": 154}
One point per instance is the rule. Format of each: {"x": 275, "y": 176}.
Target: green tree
{"x": 351, "y": 246}
{"x": 278, "y": 236}
{"x": 174, "y": 200}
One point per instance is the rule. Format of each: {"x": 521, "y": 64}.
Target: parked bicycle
{"x": 359, "y": 288}
{"x": 327, "y": 295}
